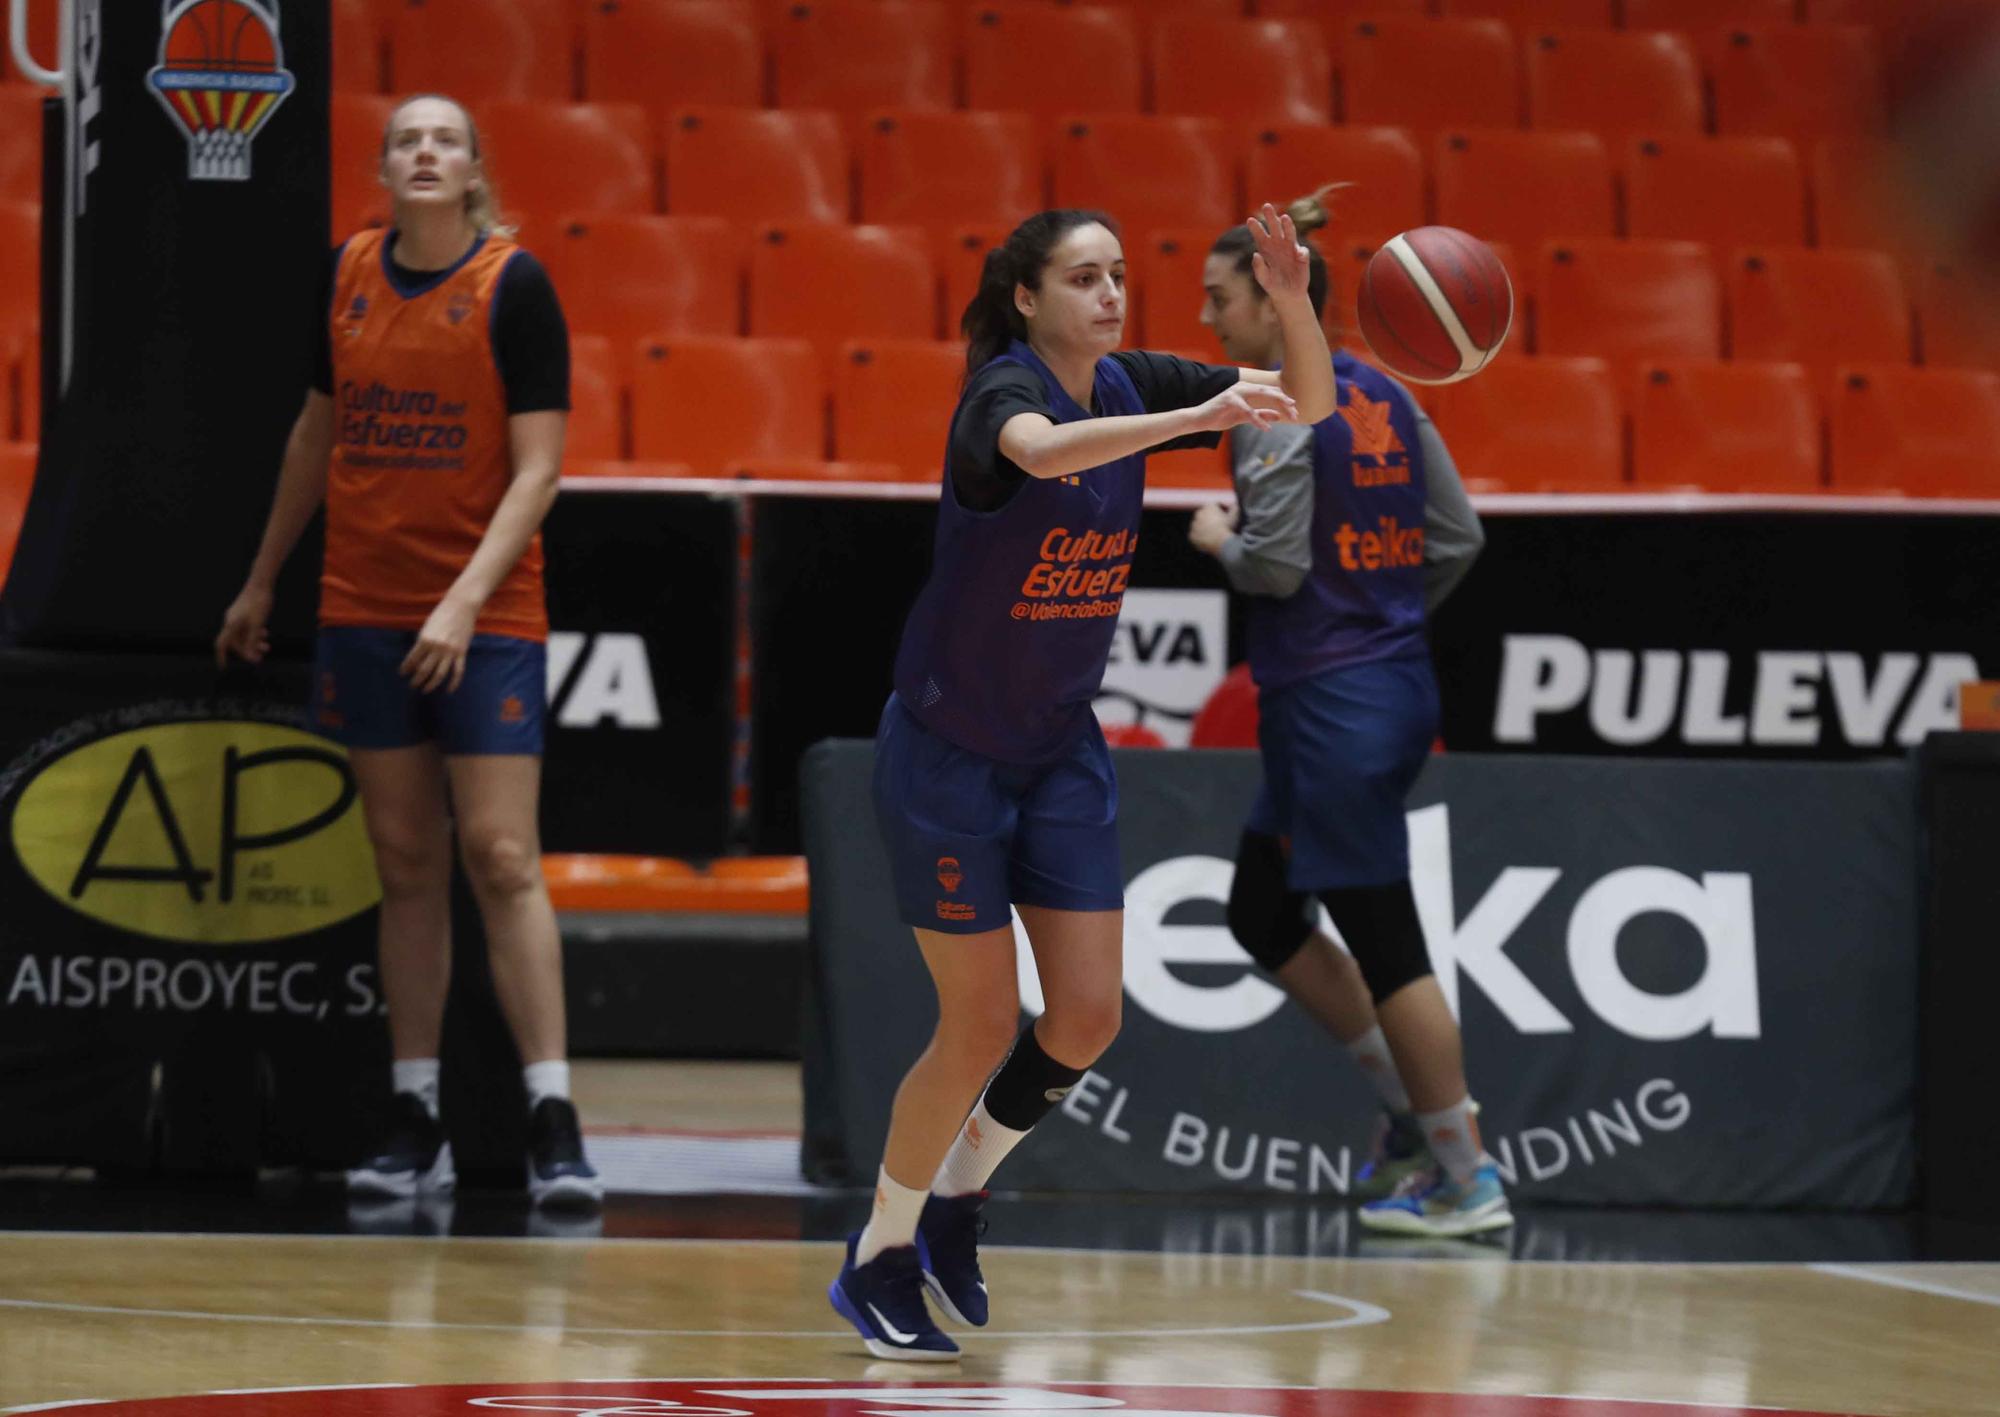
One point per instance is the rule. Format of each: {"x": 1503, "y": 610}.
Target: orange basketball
{"x": 1435, "y": 305}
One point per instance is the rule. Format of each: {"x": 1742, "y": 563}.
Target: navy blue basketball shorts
{"x": 1341, "y": 752}
{"x": 969, "y": 836}
{"x": 361, "y": 701}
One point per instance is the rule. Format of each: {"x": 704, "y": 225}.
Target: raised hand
{"x": 1280, "y": 264}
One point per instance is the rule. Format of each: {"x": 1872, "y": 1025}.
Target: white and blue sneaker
{"x": 412, "y": 1159}
{"x": 560, "y": 1176}
{"x": 1440, "y": 1206}
{"x": 948, "y": 1249}
{"x": 884, "y": 1300}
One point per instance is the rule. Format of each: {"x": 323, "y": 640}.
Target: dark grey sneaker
{"x": 413, "y": 1157}
{"x": 559, "y": 1175}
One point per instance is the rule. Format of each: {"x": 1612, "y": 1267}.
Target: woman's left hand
{"x": 437, "y": 660}
{"x": 1281, "y": 264}
{"x": 1213, "y": 525}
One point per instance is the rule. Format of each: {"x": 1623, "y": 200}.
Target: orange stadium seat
{"x": 20, "y": 143}
{"x": 631, "y": 277}
{"x": 1820, "y": 308}
{"x": 892, "y": 400}
{"x": 1536, "y": 425}
{"x": 669, "y": 54}
{"x": 359, "y": 122}
{"x": 832, "y": 283}
{"x": 1334, "y": 16}
{"x": 1527, "y": 15}
{"x": 1856, "y": 197}
{"x": 1054, "y": 61}
{"x": 713, "y": 403}
{"x": 756, "y": 165}
{"x": 938, "y": 169}
{"x": 1384, "y": 164}
{"x": 1614, "y": 83}
{"x": 1148, "y": 172}
{"x": 20, "y": 265}
{"x": 1627, "y": 301}
{"x": 1706, "y": 14}
{"x": 1802, "y": 81}
{"x": 1879, "y": 13}
{"x": 483, "y": 49}
{"x": 960, "y": 254}
{"x": 1525, "y": 188}
{"x": 1726, "y": 191}
{"x": 860, "y": 54}
{"x": 17, "y": 477}
{"x": 596, "y": 400}
{"x": 1471, "y": 74}
{"x": 1166, "y": 277}
{"x": 565, "y": 157}
{"x": 1956, "y": 321}
{"x": 357, "y": 47}
{"x": 1277, "y": 71}
{"x": 758, "y": 885}
{"x": 1726, "y": 427}
{"x": 1927, "y": 432}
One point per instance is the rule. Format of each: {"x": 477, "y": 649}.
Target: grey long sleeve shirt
{"x": 1271, "y": 552}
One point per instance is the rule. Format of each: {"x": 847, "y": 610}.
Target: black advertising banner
{"x": 641, "y": 673}
{"x": 1655, "y": 965}
{"x": 185, "y": 886}
{"x": 190, "y": 224}
{"x": 1730, "y": 634}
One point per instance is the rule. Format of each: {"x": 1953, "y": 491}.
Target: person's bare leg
{"x": 404, "y": 805}
{"x": 1324, "y": 980}
{"x": 497, "y": 798}
{"x": 1424, "y": 1038}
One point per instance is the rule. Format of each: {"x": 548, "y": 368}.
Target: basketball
{"x": 1435, "y": 305}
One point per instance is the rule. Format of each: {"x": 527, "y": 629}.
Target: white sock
{"x": 894, "y": 1222}
{"x": 982, "y": 1144}
{"x": 546, "y": 1079}
{"x": 1454, "y": 1138}
{"x": 1371, "y": 1052}
{"x": 419, "y": 1078}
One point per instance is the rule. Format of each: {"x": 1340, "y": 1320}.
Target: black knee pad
{"x": 1380, "y": 926}
{"x": 1267, "y": 917}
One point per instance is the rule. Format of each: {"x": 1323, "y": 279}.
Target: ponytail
{"x": 992, "y": 321}
{"x": 1309, "y": 214}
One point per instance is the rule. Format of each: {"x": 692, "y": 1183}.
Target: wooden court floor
{"x": 100, "y": 1317}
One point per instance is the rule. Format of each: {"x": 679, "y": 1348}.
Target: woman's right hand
{"x": 244, "y": 631}
{"x": 1240, "y": 403}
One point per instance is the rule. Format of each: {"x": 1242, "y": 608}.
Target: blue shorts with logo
{"x": 1341, "y": 752}
{"x": 969, "y": 836}
{"x": 361, "y": 701}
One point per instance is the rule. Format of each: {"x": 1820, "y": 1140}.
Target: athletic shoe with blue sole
{"x": 1443, "y": 1207}
{"x": 948, "y": 1249}
{"x": 884, "y": 1300}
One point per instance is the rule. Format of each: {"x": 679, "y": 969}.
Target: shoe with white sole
{"x": 1440, "y": 1206}
{"x": 884, "y": 1300}
{"x": 412, "y": 1159}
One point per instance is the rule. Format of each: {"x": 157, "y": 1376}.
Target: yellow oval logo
{"x": 207, "y": 833}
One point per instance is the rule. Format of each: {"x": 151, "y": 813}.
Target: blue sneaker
{"x": 1441, "y": 1206}
{"x": 948, "y": 1248}
{"x": 1400, "y": 1152}
{"x": 884, "y": 1300}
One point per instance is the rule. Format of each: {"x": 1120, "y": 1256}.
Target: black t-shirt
{"x": 530, "y": 337}
{"x": 984, "y": 478}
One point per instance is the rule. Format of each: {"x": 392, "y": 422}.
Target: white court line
{"x": 55, "y": 1406}
{"x": 1655, "y": 1401}
{"x": 1363, "y": 1315}
{"x": 1897, "y": 1281}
